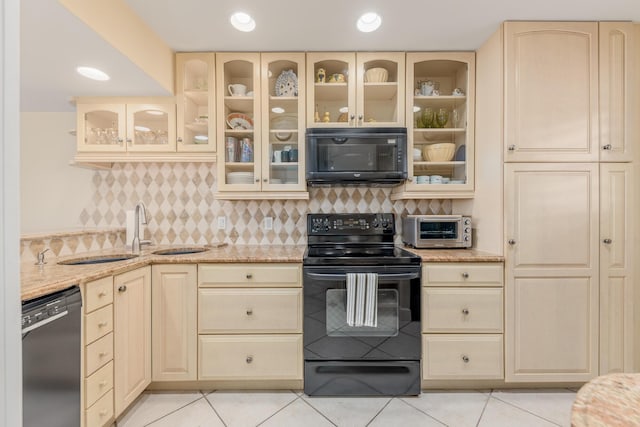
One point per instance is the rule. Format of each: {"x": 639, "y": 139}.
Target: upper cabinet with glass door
{"x": 119, "y": 125}
{"x": 238, "y": 121}
{"x": 440, "y": 92}
{"x": 355, "y": 89}
{"x": 283, "y": 119}
{"x": 195, "y": 98}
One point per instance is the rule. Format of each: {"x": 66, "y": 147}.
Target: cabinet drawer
{"x": 250, "y": 357}
{"x": 462, "y": 357}
{"x": 98, "y": 353}
{"x": 278, "y": 275}
{"x": 462, "y": 310}
{"x": 98, "y": 324}
{"x": 98, "y": 294}
{"x": 98, "y": 384}
{"x": 462, "y": 274}
{"x": 101, "y": 412}
{"x": 249, "y": 310}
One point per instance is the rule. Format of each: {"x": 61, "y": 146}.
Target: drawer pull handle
{"x": 465, "y": 275}
{"x": 607, "y": 241}
{"x": 102, "y": 294}
{"x": 122, "y": 288}
{"x": 103, "y": 383}
{"x": 465, "y": 311}
{"x": 103, "y": 412}
{"x": 249, "y": 359}
{"x": 249, "y": 312}
{"x": 249, "y": 276}
{"x": 102, "y": 354}
{"x": 102, "y": 324}
{"x": 465, "y": 358}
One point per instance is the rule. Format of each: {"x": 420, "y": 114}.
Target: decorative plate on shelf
{"x": 239, "y": 121}
{"x": 287, "y": 84}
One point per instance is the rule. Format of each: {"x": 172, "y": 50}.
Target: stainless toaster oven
{"x": 437, "y": 231}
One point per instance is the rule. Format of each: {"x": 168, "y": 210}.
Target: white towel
{"x": 371, "y": 305}
{"x": 351, "y": 299}
{"x": 361, "y": 289}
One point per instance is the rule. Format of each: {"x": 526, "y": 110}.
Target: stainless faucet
{"x": 136, "y": 243}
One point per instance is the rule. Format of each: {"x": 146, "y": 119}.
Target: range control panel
{"x": 345, "y": 224}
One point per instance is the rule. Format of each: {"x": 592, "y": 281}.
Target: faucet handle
{"x": 40, "y": 257}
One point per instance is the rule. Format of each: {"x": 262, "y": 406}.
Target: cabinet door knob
{"x": 465, "y": 358}
{"x": 122, "y": 288}
{"x": 607, "y": 241}
{"x": 607, "y": 147}
{"x": 265, "y": 180}
{"x": 511, "y": 148}
{"x": 180, "y": 139}
{"x": 257, "y": 179}
{"x": 249, "y": 276}
{"x": 120, "y": 141}
{"x": 129, "y": 141}
{"x": 465, "y": 275}
{"x": 465, "y": 311}
{"x": 249, "y": 359}
{"x": 249, "y": 312}
{"x": 511, "y": 241}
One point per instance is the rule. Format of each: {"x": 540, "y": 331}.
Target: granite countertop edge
{"x": 38, "y": 281}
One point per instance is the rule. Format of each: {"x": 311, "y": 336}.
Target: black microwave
{"x": 356, "y": 156}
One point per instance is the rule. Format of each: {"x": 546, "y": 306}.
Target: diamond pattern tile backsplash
{"x": 182, "y": 209}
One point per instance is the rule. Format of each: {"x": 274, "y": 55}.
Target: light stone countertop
{"x": 41, "y": 280}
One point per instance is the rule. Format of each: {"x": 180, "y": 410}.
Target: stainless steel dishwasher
{"x": 51, "y": 359}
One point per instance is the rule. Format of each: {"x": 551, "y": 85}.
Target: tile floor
{"x": 482, "y": 408}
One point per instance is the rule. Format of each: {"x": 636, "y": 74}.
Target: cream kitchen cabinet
{"x": 616, "y": 268}
{"x": 118, "y": 125}
{"x": 462, "y": 321}
{"x": 97, "y": 361}
{"x": 567, "y": 91}
{"x": 250, "y": 323}
{"x": 174, "y": 298}
{"x": 551, "y": 291}
{"x": 257, "y": 123}
{"x": 132, "y": 336}
{"x": 343, "y": 92}
{"x": 440, "y": 94}
{"x": 195, "y": 102}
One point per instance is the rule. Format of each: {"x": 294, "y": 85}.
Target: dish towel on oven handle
{"x": 362, "y": 299}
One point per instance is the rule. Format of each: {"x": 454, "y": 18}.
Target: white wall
{"x": 10, "y": 347}
{"x": 53, "y": 193}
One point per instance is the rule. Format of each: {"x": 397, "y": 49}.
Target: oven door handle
{"x": 381, "y": 276}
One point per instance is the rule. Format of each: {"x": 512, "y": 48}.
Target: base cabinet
{"x": 132, "y": 336}
{"x": 462, "y": 311}
{"x": 174, "y": 298}
{"x": 97, "y": 339}
{"x": 250, "y": 322}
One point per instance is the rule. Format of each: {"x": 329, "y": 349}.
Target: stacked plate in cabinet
{"x": 240, "y": 178}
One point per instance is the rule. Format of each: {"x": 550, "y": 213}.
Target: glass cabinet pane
{"x": 101, "y": 127}
{"x": 196, "y": 102}
{"x": 151, "y": 127}
{"x": 282, "y": 150}
{"x": 440, "y": 122}
{"x": 382, "y": 97}
{"x": 331, "y": 92}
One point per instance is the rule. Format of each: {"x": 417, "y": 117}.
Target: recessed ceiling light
{"x": 93, "y": 73}
{"x": 369, "y": 22}
{"x": 278, "y": 110}
{"x": 243, "y": 22}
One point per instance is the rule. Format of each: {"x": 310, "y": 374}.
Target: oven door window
{"x": 441, "y": 230}
{"x": 387, "y": 315}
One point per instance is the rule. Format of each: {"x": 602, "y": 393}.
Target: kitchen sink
{"x": 180, "y": 251}
{"x": 98, "y": 259}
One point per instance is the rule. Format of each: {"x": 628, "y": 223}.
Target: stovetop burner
{"x": 354, "y": 239}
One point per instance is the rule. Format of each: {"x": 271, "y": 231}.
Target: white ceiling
{"x": 54, "y": 41}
